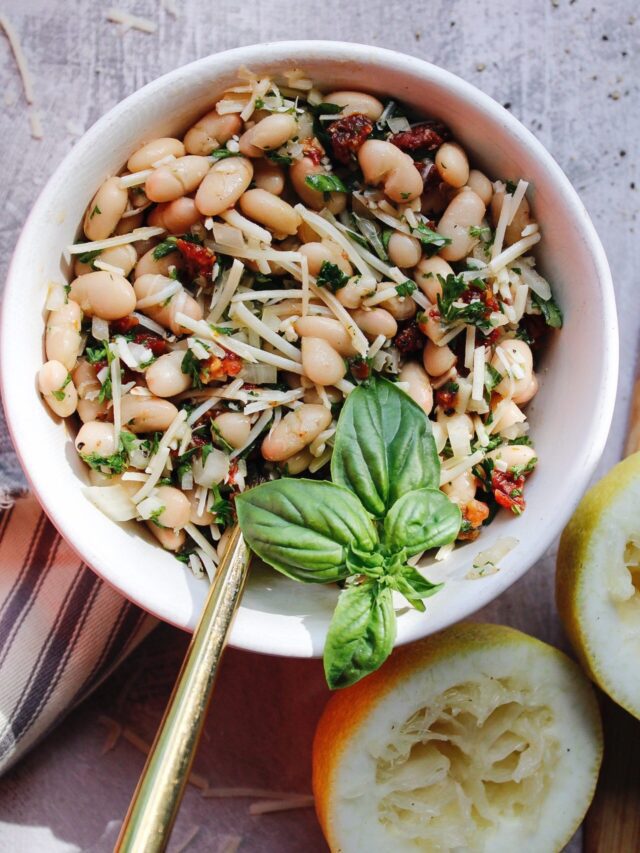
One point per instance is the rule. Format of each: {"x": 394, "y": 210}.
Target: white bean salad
{"x": 233, "y": 286}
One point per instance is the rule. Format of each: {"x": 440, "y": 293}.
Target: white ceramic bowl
{"x": 570, "y": 416}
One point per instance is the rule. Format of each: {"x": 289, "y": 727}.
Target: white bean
{"x": 426, "y": 275}
{"x": 147, "y": 414}
{"x": 211, "y": 131}
{"x": 527, "y": 393}
{"x": 419, "y": 388}
{"x": 295, "y": 431}
{"x": 521, "y": 218}
{"x": 123, "y": 257}
{"x": 154, "y": 151}
{"x": 268, "y": 134}
{"x": 270, "y": 211}
{"x": 148, "y": 265}
{"x": 452, "y": 164}
{"x": 105, "y": 210}
{"x": 299, "y": 171}
{"x": 171, "y": 540}
{"x": 437, "y": 360}
{"x": 269, "y": 176}
{"x": 462, "y": 488}
{"x": 375, "y": 321}
{"x": 96, "y": 437}
{"x": 57, "y": 388}
{"x": 175, "y": 216}
{"x": 88, "y": 387}
{"x": 129, "y": 224}
{"x": 165, "y": 377}
{"x": 176, "y": 510}
{"x": 203, "y": 519}
{"x": 330, "y": 330}
{"x": 355, "y": 102}
{"x": 481, "y": 185}
{"x": 224, "y": 185}
{"x": 298, "y": 463}
{"x": 403, "y": 250}
{"x": 317, "y": 253}
{"x": 103, "y": 294}
{"x": 514, "y": 455}
{"x": 63, "y": 337}
{"x": 162, "y": 313}
{"x": 176, "y": 179}
{"x": 354, "y": 291}
{"x": 234, "y": 428}
{"x": 400, "y": 307}
{"x": 383, "y": 163}
{"x": 464, "y": 210}
{"x": 321, "y": 363}
{"x": 515, "y": 352}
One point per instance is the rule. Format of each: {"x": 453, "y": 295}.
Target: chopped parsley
{"x": 89, "y": 257}
{"x": 60, "y": 393}
{"x": 482, "y": 232}
{"x": 492, "y": 377}
{"x": 191, "y": 366}
{"x": 431, "y": 240}
{"x": 117, "y": 463}
{"x": 550, "y": 310}
{"x": 472, "y": 313}
{"x": 511, "y": 187}
{"x": 223, "y": 153}
{"x": 406, "y": 288}
{"x": 96, "y": 210}
{"x": 165, "y": 248}
{"x": 279, "y": 159}
{"x": 154, "y": 518}
{"x": 519, "y": 470}
{"x": 331, "y": 276}
{"x": 221, "y": 507}
{"x": 325, "y": 183}
{"x": 218, "y": 439}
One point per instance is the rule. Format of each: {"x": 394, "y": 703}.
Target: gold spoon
{"x": 156, "y": 800}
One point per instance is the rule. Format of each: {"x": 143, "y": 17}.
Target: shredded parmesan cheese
{"x": 477, "y": 387}
{"x": 119, "y": 240}
{"x": 227, "y": 291}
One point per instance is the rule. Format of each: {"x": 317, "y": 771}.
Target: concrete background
{"x": 569, "y": 70}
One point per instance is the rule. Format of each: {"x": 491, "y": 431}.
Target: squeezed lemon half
{"x": 479, "y": 738}
{"x": 598, "y": 583}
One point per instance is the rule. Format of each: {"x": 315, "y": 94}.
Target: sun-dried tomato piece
{"x": 535, "y": 328}
{"x": 508, "y": 490}
{"x": 426, "y": 136}
{"x": 473, "y": 514}
{"x": 155, "y": 343}
{"x": 347, "y": 134}
{"x": 447, "y": 396}
{"x": 360, "y": 368}
{"x": 200, "y": 260}
{"x": 123, "y": 325}
{"x": 428, "y": 172}
{"x": 215, "y": 368}
{"x": 312, "y": 149}
{"x": 409, "y": 338}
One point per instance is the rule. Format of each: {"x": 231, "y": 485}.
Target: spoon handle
{"x": 156, "y": 800}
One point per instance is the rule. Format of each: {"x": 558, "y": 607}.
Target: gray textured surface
{"x": 569, "y": 70}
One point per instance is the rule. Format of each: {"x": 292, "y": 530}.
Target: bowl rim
{"x": 263, "y": 54}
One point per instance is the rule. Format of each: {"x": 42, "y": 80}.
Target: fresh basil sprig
{"x": 383, "y": 506}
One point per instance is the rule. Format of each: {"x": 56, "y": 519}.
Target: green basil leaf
{"x": 304, "y": 528}
{"x": 420, "y": 520}
{"x": 415, "y": 587}
{"x": 361, "y": 634}
{"x": 384, "y": 447}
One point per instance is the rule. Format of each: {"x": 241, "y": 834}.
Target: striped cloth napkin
{"x": 62, "y": 629}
